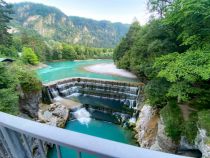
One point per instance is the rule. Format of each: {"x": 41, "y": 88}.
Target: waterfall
{"x": 54, "y": 93}
{"x": 126, "y": 92}
{"x": 83, "y": 116}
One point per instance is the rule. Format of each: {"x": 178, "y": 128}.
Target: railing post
{"x": 41, "y": 149}
{"x": 9, "y": 142}
{"x": 58, "y": 151}
{"x": 27, "y": 146}
{"x": 5, "y": 144}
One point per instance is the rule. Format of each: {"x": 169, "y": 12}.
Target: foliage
{"x": 123, "y": 47}
{"x": 191, "y": 66}
{"x": 62, "y": 51}
{"x": 156, "y": 90}
{"x": 12, "y": 76}
{"x": 8, "y": 95}
{"x": 190, "y": 127}
{"x": 170, "y": 48}
{"x": 160, "y": 7}
{"x": 172, "y": 118}
{"x": 27, "y": 78}
{"x": 204, "y": 120}
{"x": 192, "y": 18}
{"x": 5, "y": 11}
{"x": 29, "y": 57}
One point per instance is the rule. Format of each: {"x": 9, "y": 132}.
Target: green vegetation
{"x": 171, "y": 54}
{"x": 15, "y": 77}
{"x": 190, "y": 127}
{"x": 172, "y": 119}
{"x": 29, "y": 57}
{"x": 27, "y": 78}
{"x": 8, "y": 94}
{"x": 204, "y": 120}
{"x": 28, "y": 48}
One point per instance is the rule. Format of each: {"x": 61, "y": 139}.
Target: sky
{"x": 113, "y": 10}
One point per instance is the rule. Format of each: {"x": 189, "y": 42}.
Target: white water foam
{"x": 132, "y": 120}
{"x": 83, "y": 116}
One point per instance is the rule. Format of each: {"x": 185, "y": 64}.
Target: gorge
{"x": 117, "y": 102}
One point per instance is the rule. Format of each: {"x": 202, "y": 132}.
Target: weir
{"x": 129, "y": 94}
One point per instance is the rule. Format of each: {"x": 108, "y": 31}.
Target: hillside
{"x": 51, "y": 23}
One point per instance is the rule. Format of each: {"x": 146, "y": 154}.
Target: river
{"x": 95, "y": 127}
{"x": 61, "y": 70}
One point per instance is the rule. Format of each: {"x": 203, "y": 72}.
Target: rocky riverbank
{"x": 151, "y": 134}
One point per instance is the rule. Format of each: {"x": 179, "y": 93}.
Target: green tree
{"x": 160, "y": 7}
{"x": 126, "y": 42}
{"x": 5, "y": 12}
{"x": 8, "y": 94}
{"x": 29, "y": 57}
{"x": 68, "y": 52}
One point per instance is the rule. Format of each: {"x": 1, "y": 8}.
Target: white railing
{"x": 15, "y": 130}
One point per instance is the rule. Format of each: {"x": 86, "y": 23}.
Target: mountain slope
{"x": 51, "y": 23}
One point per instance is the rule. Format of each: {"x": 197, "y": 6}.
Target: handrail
{"x": 74, "y": 140}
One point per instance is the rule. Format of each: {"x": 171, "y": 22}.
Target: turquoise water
{"x": 95, "y": 128}
{"x": 107, "y": 103}
{"x": 61, "y": 70}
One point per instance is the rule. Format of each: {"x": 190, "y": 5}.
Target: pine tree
{"x": 5, "y": 12}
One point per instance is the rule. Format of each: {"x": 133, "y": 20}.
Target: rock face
{"x": 146, "y": 126}
{"x": 162, "y": 141}
{"x": 202, "y": 142}
{"x": 29, "y": 103}
{"x": 56, "y": 115}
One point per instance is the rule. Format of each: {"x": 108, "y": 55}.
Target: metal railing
{"x": 15, "y": 130}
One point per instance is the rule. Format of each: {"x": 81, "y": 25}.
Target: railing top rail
{"x": 78, "y": 141}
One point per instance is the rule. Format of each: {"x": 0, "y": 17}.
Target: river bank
{"x": 109, "y": 69}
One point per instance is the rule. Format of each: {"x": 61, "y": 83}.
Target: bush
{"x": 172, "y": 118}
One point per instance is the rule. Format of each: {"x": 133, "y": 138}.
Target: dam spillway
{"x": 128, "y": 93}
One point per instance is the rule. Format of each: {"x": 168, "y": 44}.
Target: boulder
{"x": 56, "y": 115}
{"x": 202, "y": 142}
{"x": 29, "y": 103}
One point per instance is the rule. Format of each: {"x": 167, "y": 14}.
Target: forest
{"x": 49, "y": 50}
{"x": 171, "y": 54}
